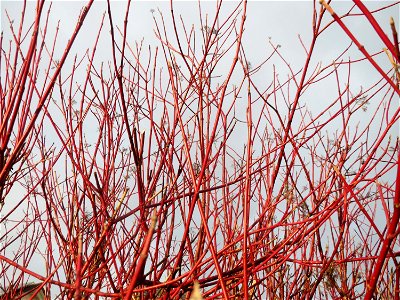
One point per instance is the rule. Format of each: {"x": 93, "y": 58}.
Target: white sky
{"x": 278, "y": 21}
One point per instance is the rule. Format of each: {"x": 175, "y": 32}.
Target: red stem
{"x": 387, "y": 243}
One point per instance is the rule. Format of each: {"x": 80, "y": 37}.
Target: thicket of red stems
{"x": 136, "y": 176}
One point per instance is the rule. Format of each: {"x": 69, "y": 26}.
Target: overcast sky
{"x": 280, "y": 22}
